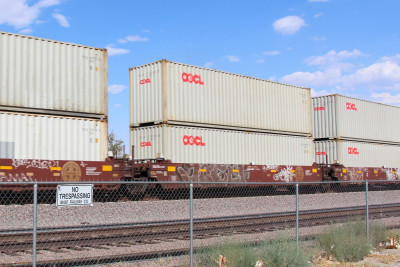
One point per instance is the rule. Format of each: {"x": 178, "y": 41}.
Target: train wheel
{"x": 324, "y": 187}
{"x": 135, "y": 191}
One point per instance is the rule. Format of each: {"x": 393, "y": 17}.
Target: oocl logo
{"x": 319, "y": 108}
{"x": 353, "y": 151}
{"x": 144, "y": 81}
{"x": 351, "y": 106}
{"x": 322, "y": 153}
{"x": 144, "y": 144}
{"x": 193, "y": 140}
{"x": 190, "y": 78}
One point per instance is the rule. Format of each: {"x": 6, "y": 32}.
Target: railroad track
{"x": 97, "y": 236}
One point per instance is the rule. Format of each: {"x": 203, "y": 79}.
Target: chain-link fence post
{"x": 367, "y": 206}
{"x": 297, "y": 218}
{"x": 191, "y": 225}
{"x": 35, "y": 189}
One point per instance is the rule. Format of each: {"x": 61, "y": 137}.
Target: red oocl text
{"x": 353, "y": 151}
{"x": 193, "y": 140}
{"x": 144, "y": 81}
{"x": 144, "y": 144}
{"x": 351, "y": 106}
{"x": 192, "y": 78}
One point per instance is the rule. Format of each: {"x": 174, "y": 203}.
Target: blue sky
{"x": 350, "y": 47}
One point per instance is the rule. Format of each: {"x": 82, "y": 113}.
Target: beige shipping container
{"x": 341, "y": 117}
{"x": 182, "y": 144}
{"x": 181, "y": 94}
{"x": 357, "y": 154}
{"x": 51, "y": 77}
{"x": 28, "y": 136}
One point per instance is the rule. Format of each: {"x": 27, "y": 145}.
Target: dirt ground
{"x": 381, "y": 258}
{"x": 385, "y": 257}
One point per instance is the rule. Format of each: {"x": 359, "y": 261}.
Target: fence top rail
{"x": 193, "y": 182}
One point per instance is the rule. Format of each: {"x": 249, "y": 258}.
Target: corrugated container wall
{"x": 38, "y": 74}
{"x": 27, "y": 136}
{"x": 357, "y": 154}
{"x": 176, "y": 93}
{"x": 183, "y": 144}
{"x": 340, "y": 117}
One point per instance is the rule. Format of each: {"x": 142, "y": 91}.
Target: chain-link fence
{"x": 176, "y": 224}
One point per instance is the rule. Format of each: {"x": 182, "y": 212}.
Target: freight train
{"x": 16, "y": 170}
{"x": 187, "y": 123}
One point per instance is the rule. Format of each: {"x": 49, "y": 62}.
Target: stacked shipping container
{"x": 356, "y": 132}
{"x": 210, "y": 116}
{"x": 53, "y": 101}
{"x": 185, "y": 144}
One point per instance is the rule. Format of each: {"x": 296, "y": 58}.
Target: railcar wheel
{"x": 135, "y": 191}
{"x": 324, "y": 187}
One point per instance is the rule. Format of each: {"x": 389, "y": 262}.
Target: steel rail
{"x": 53, "y": 238}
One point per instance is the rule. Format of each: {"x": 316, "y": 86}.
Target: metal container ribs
{"x": 29, "y": 136}
{"x": 180, "y": 94}
{"x": 50, "y": 77}
{"x": 182, "y": 144}
{"x": 341, "y": 117}
{"x": 357, "y": 154}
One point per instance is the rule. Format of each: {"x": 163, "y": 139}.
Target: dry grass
{"x": 383, "y": 258}
{"x": 377, "y": 259}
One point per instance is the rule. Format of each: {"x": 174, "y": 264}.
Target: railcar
{"x": 161, "y": 170}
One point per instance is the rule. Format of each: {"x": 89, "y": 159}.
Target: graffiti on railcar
{"x": 392, "y": 174}
{"x": 357, "y": 173}
{"x": 40, "y": 164}
{"x": 285, "y": 175}
{"x": 269, "y": 167}
{"x": 213, "y": 172}
{"x": 15, "y": 177}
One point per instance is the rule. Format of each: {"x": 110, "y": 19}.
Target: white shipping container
{"x": 176, "y": 93}
{"x": 27, "y": 136}
{"x": 357, "y": 154}
{"x": 182, "y": 144}
{"x": 41, "y": 74}
{"x": 341, "y": 117}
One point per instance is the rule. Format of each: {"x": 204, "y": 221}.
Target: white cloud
{"x": 261, "y": 60}
{"x": 314, "y": 79}
{"x": 319, "y": 93}
{"x": 47, "y": 3}
{"x": 318, "y": 15}
{"x": 271, "y": 53}
{"x": 332, "y": 57}
{"x": 19, "y": 14}
{"x": 116, "y": 88}
{"x": 209, "y": 64}
{"x": 332, "y": 66}
{"x": 61, "y": 19}
{"x": 378, "y": 75}
{"x": 26, "y": 31}
{"x": 387, "y": 98}
{"x": 289, "y": 25}
{"x": 112, "y": 51}
{"x": 318, "y": 39}
{"x": 117, "y": 105}
{"x": 383, "y": 74}
{"x": 233, "y": 58}
{"x": 394, "y": 59}
{"x": 133, "y": 38}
